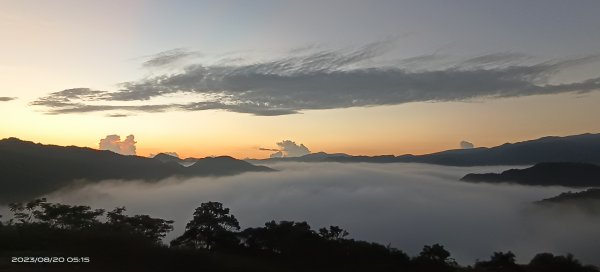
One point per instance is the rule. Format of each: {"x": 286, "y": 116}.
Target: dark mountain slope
{"x": 28, "y": 169}
{"x": 167, "y": 158}
{"x": 587, "y": 201}
{"x": 312, "y": 157}
{"x": 224, "y": 165}
{"x": 576, "y": 148}
{"x": 555, "y": 173}
{"x": 569, "y": 197}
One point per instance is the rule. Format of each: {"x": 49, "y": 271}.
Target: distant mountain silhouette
{"x": 589, "y": 194}
{"x": 163, "y": 157}
{"x": 312, "y": 157}
{"x": 323, "y": 155}
{"x": 224, "y": 165}
{"x": 576, "y": 148}
{"x": 167, "y": 158}
{"x": 587, "y": 201}
{"x": 553, "y": 173}
{"x": 30, "y": 170}
{"x": 219, "y": 166}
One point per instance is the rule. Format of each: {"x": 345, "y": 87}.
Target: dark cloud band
{"x": 326, "y": 80}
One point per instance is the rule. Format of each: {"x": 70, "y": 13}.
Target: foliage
{"x": 213, "y": 241}
{"x": 499, "y": 261}
{"x": 67, "y": 217}
{"x": 547, "y": 262}
{"x": 333, "y": 233}
{"x": 152, "y": 228}
{"x": 211, "y": 224}
{"x": 435, "y": 258}
{"x": 285, "y": 237}
{"x": 55, "y": 214}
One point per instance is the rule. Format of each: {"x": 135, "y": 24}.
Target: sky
{"x": 204, "y": 78}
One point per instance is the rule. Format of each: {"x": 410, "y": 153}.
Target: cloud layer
{"x": 466, "y": 145}
{"x": 407, "y": 205}
{"x": 323, "y": 80}
{"x": 114, "y": 144}
{"x": 6, "y": 99}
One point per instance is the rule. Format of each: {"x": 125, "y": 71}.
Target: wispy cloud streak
{"x": 326, "y": 80}
{"x": 169, "y": 57}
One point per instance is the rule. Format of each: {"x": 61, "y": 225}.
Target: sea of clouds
{"x": 405, "y": 205}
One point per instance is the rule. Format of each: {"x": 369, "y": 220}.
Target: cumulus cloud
{"x": 169, "y": 57}
{"x": 291, "y": 149}
{"x": 329, "y": 79}
{"x": 6, "y": 99}
{"x": 114, "y": 144}
{"x": 288, "y": 148}
{"x": 466, "y": 145}
{"x": 407, "y": 205}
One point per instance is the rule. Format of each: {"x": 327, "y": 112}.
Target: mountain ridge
{"x": 32, "y": 169}
{"x": 574, "y": 148}
{"x": 569, "y": 197}
{"x": 568, "y": 174}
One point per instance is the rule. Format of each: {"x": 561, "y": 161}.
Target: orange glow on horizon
{"x": 414, "y": 128}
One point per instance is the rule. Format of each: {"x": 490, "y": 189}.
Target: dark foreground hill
{"x": 589, "y": 194}
{"x": 587, "y": 201}
{"x": 45, "y": 236}
{"x": 29, "y": 170}
{"x": 575, "y": 148}
{"x": 553, "y": 173}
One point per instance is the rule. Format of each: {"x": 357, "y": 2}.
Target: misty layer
{"x": 407, "y": 205}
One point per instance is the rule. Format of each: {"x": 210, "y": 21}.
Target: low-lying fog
{"x": 405, "y": 205}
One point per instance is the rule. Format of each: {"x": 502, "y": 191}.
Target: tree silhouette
{"x": 24, "y": 212}
{"x": 55, "y": 215}
{"x": 333, "y": 233}
{"x": 498, "y": 262}
{"x": 436, "y": 253}
{"x": 67, "y": 216}
{"x": 210, "y": 225}
{"x": 547, "y": 262}
{"x": 284, "y": 237}
{"x": 213, "y": 243}
{"x": 435, "y": 258}
{"x": 149, "y": 227}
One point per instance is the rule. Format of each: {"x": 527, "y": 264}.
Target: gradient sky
{"x": 361, "y": 77}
